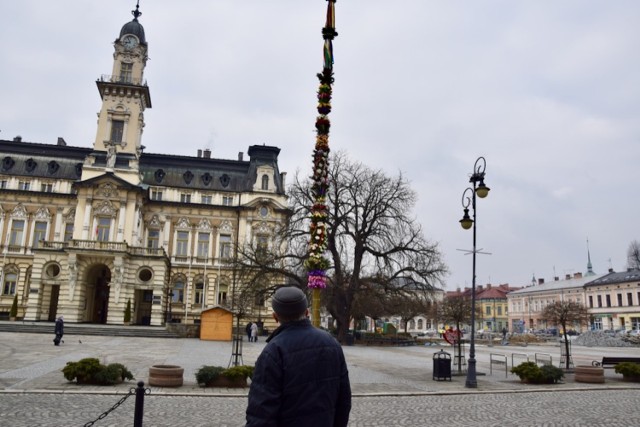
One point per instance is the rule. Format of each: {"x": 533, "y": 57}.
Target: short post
{"x": 139, "y": 410}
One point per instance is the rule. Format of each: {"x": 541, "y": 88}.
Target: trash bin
{"x": 441, "y": 366}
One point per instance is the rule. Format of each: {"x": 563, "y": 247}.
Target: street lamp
{"x": 481, "y": 190}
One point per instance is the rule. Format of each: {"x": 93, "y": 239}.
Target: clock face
{"x": 129, "y": 42}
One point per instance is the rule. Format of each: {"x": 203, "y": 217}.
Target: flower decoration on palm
{"x": 317, "y": 263}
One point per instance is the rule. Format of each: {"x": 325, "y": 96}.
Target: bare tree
{"x": 633, "y": 255}
{"x": 457, "y": 309}
{"x": 407, "y": 307}
{"x": 372, "y": 240}
{"x": 563, "y": 313}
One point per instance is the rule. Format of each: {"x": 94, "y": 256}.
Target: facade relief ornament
{"x": 43, "y": 214}
{"x": 105, "y": 208}
{"x": 19, "y": 212}
{"x": 70, "y": 216}
{"x": 183, "y": 223}
{"x": 226, "y": 227}
{"x": 263, "y": 228}
{"x": 204, "y": 225}
{"x": 155, "y": 222}
{"x": 107, "y": 190}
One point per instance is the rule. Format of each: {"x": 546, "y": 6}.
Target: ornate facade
{"x": 86, "y": 229}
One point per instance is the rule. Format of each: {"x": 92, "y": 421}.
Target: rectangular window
{"x": 225, "y": 246}
{"x": 222, "y": 297}
{"x": 487, "y": 310}
{"x": 156, "y": 195}
{"x": 227, "y": 200}
{"x": 9, "y": 286}
{"x": 46, "y": 188}
{"x": 23, "y": 185}
{"x": 3, "y": 184}
{"x": 153, "y": 239}
{"x": 182, "y": 243}
{"x": 499, "y": 311}
{"x": 205, "y": 199}
{"x": 591, "y": 301}
{"x": 599, "y": 300}
{"x": 117, "y": 130}
{"x": 185, "y": 198}
{"x": 39, "y": 233}
{"x": 103, "y": 229}
{"x": 68, "y": 231}
{"x": 203, "y": 245}
{"x": 608, "y": 299}
{"x": 619, "y": 300}
{"x": 177, "y": 293}
{"x": 198, "y": 293}
{"x": 629, "y": 299}
{"x": 17, "y": 231}
{"x": 126, "y": 72}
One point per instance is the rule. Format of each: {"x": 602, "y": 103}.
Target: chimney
{"x": 61, "y": 141}
{"x": 206, "y": 153}
{"x": 489, "y": 286}
{"x": 480, "y": 288}
{"x": 577, "y": 275}
{"x": 199, "y": 153}
{"x": 240, "y": 156}
{"x": 540, "y": 281}
{"x": 17, "y": 139}
{"x": 610, "y": 270}
{"x": 567, "y": 276}
{"x": 283, "y": 178}
{"x": 556, "y": 278}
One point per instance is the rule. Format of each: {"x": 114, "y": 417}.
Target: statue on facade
{"x": 111, "y": 155}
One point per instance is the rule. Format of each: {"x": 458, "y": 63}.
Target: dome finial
{"x": 136, "y": 12}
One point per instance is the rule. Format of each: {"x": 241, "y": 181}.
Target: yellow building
{"x": 86, "y": 229}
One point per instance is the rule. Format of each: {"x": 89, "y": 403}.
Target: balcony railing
{"x": 95, "y": 245}
{"x": 127, "y": 80}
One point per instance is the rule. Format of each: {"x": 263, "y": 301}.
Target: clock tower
{"x": 125, "y": 96}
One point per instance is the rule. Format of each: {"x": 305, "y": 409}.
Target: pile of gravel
{"x": 600, "y": 339}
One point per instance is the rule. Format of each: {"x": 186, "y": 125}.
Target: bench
{"x": 610, "y": 362}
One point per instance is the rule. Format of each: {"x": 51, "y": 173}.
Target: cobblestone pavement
{"x": 588, "y": 408}
{"x": 392, "y": 386}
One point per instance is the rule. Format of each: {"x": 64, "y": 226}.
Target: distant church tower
{"x": 125, "y": 96}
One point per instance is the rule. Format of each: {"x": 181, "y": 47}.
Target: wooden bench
{"x": 610, "y": 362}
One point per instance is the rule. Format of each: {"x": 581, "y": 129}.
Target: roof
{"x": 574, "y": 282}
{"x": 631, "y": 275}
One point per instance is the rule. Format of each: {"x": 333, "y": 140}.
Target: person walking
{"x": 59, "y": 330}
{"x": 254, "y": 332}
{"x": 248, "y": 331}
{"x": 301, "y": 376}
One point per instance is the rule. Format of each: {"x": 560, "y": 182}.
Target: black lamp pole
{"x": 481, "y": 190}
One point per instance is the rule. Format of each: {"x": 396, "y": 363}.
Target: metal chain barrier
{"x": 139, "y": 391}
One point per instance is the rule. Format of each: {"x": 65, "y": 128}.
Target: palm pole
{"x": 317, "y": 263}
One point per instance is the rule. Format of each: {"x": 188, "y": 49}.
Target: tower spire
{"x": 136, "y": 13}
{"x": 589, "y": 266}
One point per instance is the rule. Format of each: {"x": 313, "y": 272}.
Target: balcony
{"x": 96, "y": 245}
{"x": 127, "y": 80}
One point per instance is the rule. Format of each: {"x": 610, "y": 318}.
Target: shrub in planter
{"x": 91, "y": 371}
{"x": 216, "y": 376}
{"x": 530, "y": 372}
{"x": 629, "y": 370}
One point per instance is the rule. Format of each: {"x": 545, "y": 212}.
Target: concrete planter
{"x": 166, "y": 376}
{"x": 589, "y": 374}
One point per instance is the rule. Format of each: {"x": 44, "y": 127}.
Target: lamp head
{"x": 482, "y": 191}
{"x": 466, "y": 222}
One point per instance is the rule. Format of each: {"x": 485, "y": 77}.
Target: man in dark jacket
{"x": 301, "y": 377}
{"x": 59, "y": 330}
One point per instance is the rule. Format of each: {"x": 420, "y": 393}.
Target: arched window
{"x": 412, "y": 324}
{"x": 420, "y": 324}
{"x": 265, "y": 182}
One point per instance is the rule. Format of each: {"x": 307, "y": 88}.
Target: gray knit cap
{"x": 289, "y": 301}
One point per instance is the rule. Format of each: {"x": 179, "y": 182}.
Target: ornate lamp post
{"x": 469, "y": 199}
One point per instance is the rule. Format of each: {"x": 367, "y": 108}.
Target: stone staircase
{"x": 87, "y": 329}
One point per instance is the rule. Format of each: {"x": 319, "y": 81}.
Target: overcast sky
{"x": 548, "y": 91}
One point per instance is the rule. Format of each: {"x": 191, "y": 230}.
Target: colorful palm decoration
{"x": 317, "y": 264}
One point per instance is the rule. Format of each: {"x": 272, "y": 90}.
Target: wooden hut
{"x": 216, "y": 324}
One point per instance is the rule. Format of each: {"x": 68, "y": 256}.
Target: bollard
{"x": 139, "y": 410}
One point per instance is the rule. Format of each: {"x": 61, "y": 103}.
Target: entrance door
{"x": 53, "y": 303}
{"x": 101, "y": 301}
{"x": 143, "y": 312}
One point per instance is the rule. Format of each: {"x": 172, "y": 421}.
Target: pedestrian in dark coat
{"x": 301, "y": 377}
{"x": 59, "y": 330}
{"x": 248, "y": 331}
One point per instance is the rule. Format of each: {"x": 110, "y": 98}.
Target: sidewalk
{"x": 30, "y": 363}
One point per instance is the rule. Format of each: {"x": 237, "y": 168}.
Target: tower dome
{"x": 134, "y": 27}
